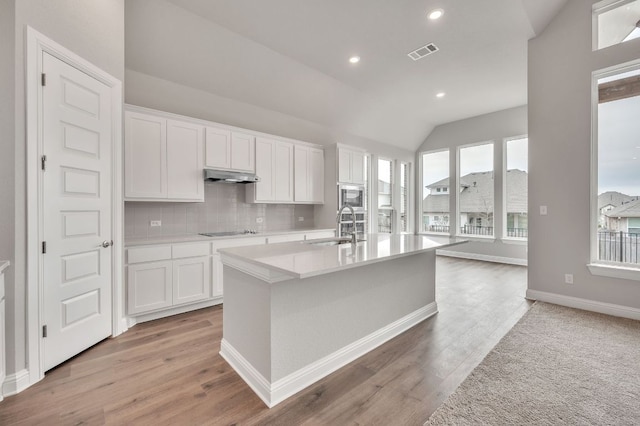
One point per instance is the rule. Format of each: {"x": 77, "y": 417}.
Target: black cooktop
{"x": 228, "y": 233}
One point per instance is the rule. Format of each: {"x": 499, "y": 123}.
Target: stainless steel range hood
{"x": 226, "y": 176}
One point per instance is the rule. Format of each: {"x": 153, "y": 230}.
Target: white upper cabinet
{"x": 308, "y": 174}
{"x": 350, "y": 166}
{"x": 184, "y": 161}
{"x": 163, "y": 159}
{"x": 145, "y": 152}
{"x": 229, "y": 150}
{"x": 274, "y": 167}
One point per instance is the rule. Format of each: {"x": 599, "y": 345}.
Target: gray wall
{"x": 95, "y": 31}
{"x": 560, "y": 65}
{"x": 495, "y": 127}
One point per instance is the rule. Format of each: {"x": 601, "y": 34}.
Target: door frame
{"x": 36, "y": 44}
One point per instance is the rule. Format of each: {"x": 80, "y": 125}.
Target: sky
{"x": 619, "y": 145}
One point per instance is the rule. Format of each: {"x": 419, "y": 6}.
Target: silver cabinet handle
{"x": 107, "y": 244}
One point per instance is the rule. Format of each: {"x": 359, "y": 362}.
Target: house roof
{"x": 477, "y": 193}
{"x": 629, "y": 209}
{"x": 613, "y": 198}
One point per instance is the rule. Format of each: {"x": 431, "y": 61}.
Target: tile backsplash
{"x": 224, "y": 209}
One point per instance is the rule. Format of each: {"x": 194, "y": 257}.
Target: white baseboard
{"x": 584, "y": 304}
{"x": 131, "y": 321}
{"x": 484, "y": 257}
{"x": 16, "y": 382}
{"x": 278, "y": 391}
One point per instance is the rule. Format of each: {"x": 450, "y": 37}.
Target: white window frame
{"x": 505, "y": 223}
{"x": 394, "y": 213}
{"x": 458, "y": 176}
{"x": 600, "y": 267}
{"x": 421, "y": 192}
{"x": 409, "y": 195}
{"x": 597, "y": 10}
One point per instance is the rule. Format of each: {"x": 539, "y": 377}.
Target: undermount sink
{"x": 331, "y": 241}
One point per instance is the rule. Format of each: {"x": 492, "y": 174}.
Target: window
{"x": 617, "y": 219}
{"x": 435, "y": 200}
{"x": 615, "y": 22}
{"x": 385, "y": 201}
{"x": 404, "y": 197}
{"x": 475, "y": 200}
{"x": 516, "y": 188}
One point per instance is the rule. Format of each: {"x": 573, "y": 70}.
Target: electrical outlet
{"x": 300, "y": 219}
{"x": 156, "y": 223}
{"x": 568, "y": 278}
{"x": 259, "y": 219}
{"x": 543, "y": 210}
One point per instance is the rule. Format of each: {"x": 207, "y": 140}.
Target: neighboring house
{"x": 624, "y": 218}
{"x": 608, "y": 201}
{"x": 476, "y": 203}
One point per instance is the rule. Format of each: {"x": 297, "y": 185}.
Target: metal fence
{"x": 476, "y": 230}
{"x": 619, "y": 246}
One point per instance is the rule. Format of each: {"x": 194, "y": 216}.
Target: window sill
{"x": 515, "y": 241}
{"x": 478, "y": 238}
{"x": 614, "y": 271}
{"x": 439, "y": 234}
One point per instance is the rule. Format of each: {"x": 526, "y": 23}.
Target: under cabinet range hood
{"x": 227, "y": 176}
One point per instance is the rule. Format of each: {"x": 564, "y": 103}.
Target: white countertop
{"x": 303, "y": 260}
{"x": 4, "y": 264}
{"x": 187, "y": 238}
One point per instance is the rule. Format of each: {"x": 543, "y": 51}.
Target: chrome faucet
{"x": 354, "y": 234}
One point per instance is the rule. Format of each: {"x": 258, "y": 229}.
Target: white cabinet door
{"x": 184, "y": 161}
{"x": 316, "y": 175}
{"x": 149, "y": 287}
{"x": 265, "y": 157}
{"x": 243, "y": 152}
{"x": 216, "y": 276}
{"x": 301, "y": 173}
{"x": 357, "y": 167}
{"x": 283, "y": 171}
{"x": 344, "y": 165}
{"x": 145, "y": 156}
{"x": 218, "y": 148}
{"x": 191, "y": 280}
{"x": 350, "y": 166}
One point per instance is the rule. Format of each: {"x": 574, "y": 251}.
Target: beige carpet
{"x": 556, "y": 366}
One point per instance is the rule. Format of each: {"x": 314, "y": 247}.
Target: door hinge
{"x": 44, "y": 331}
{"x": 43, "y": 79}
{"x": 43, "y": 162}
{"x": 44, "y": 247}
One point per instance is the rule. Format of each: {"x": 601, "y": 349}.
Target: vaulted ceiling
{"x": 291, "y": 56}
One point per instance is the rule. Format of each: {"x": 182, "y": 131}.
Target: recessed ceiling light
{"x": 354, "y": 59}
{"x": 436, "y": 14}
{"x": 440, "y": 95}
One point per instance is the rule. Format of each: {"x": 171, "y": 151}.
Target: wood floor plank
{"x": 169, "y": 371}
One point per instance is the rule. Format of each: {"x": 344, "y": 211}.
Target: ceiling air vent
{"x": 423, "y": 51}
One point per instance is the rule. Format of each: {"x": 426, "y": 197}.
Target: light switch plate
{"x": 543, "y": 210}
{"x": 155, "y": 223}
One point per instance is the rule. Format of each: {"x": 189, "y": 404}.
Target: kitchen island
{"x": 295, "y": 312}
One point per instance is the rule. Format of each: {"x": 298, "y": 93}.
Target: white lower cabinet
{"x": 161, "y": 277}
{"x": 149, "y": 287}
{"x": 216, "y": 275}
{"x": 191, "y": 280}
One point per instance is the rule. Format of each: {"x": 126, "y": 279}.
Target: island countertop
{"x": 304, "y": 259}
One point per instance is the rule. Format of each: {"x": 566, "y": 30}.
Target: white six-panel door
{"x": 76, "y": 113}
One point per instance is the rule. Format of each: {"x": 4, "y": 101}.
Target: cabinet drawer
{"x": 180, "y": 251}
{"x": 239, "y": 242}
{"x": 148, "y": 254}
{"x": 284, "y": 238}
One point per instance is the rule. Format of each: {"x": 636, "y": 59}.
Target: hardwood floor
{"x": 169, "y": 372}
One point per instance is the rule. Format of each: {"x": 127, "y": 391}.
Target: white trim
{"x": 515, "y": 241}
{"x": 15, "y": 383}
{"x": 483, "y": 257}
{"x": 278, "y": 391}
{"x": 131, "y": 321}
{"x": 36, "y": 44}
{"x": 584, "y": 304}
{"x": 614, "y": 271}
{"x": 478, "y": 238}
